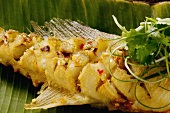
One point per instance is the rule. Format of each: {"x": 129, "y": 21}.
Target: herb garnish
{"x": 147, "y": 45}
{"x": 144, "y": 43}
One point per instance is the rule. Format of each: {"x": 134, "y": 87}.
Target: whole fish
{"x": 79, "y": 65}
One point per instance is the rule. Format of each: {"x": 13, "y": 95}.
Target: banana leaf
{"x": 16, "y": 90}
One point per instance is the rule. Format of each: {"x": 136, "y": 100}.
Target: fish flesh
{"x": 79, "y": 65}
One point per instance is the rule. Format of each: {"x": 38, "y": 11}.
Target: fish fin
{"x": 53, "y": 97}
{"x": 66, "y": 28}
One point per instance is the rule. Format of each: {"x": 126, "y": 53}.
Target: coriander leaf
{"x": 146, "y": 53}
{"x": 134, "y": 39}
{"x": 165, "y": 41}
{"x": 141, "y": 47}
{"x": 143, "y": 56}
{"x": 145, "y": 43}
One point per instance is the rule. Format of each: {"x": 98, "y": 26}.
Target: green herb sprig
{"x": 147, "y": 45}
{"x": 144, "y": 42}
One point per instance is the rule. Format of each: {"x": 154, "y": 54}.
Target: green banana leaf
{"x": 15, "y": 89}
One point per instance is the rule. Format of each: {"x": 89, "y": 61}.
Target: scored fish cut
{"x": 69, "y": 93}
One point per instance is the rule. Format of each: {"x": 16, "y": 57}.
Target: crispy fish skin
{"x": 76, "y": 72}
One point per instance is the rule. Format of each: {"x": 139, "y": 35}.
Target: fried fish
{"x": 79, "y": 65}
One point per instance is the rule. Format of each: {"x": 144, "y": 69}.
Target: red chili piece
{"x": 100, "y": 71}
{"x": 90, "y": 42}
{"x": 118, "y": 58}
{"x": 81, "y": 46}
{"x": 5, "y": 37}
